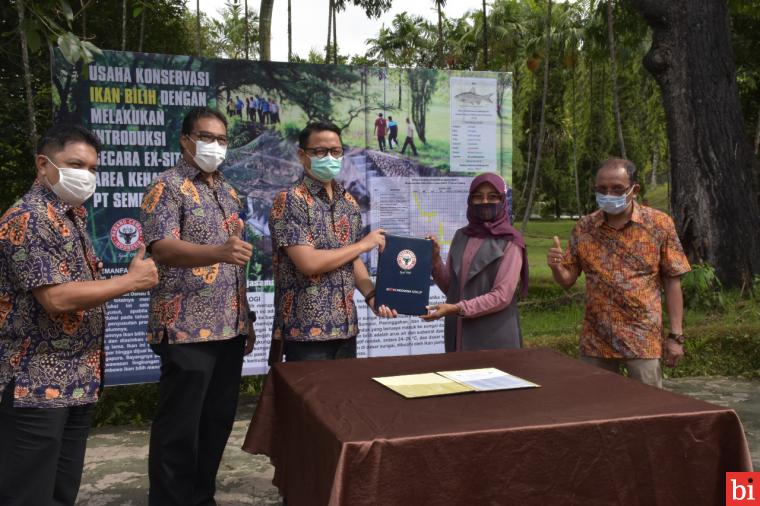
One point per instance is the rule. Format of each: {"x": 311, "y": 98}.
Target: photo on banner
{"x": 409, "y": 169}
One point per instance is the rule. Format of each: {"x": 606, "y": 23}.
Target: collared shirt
{"x": 54, "y": 361}
{"x": 320, "y": 307}
{"x": 201, "y": 303}
{"x": 623, "y": 281}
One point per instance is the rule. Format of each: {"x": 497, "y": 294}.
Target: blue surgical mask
{"x": 613, "y": 204}
{"x": 327, "y": 168}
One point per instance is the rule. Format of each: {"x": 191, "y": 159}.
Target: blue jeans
{"x": 299, "y": 351}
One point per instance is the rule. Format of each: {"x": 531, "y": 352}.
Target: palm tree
{"x": 198, "y": 27}
{"x": 123, "y": 25}
{"x": 31, "y": 115}
{"x": 245, "y": 17}
{"x": 542, "y": 118}
{"x": 143, "y": 8}
{"x": 613, "y": 76}
{"x": 485, "y": 35}
{"x": 440, "y": 4}
{"x": 265, "y": 29}
{"x": 290, "y": 35}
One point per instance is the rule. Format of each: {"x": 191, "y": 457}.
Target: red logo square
{"x": 742, "y": 489}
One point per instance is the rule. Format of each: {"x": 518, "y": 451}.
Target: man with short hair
{"x": 316, "y": 229}
{"x": 199, "y": 322}
{"x": 409, "y": 141}
{"x": 52, "y": 323}
{"x": 380, "y": 127}
{"x": 392, "y": 132}
{"x": 629, "y": 253}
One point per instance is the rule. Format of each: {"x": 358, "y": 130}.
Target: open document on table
{"x": 453, "y": 382}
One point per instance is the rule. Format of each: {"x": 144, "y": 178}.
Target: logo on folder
{"x": 406, "y": 259}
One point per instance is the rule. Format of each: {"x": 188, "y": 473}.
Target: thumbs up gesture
{"x": 235, "y": 250}
{"x": 555, "y": 255}
{"x": 142, "y": 271}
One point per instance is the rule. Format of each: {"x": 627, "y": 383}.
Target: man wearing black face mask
{"x": 200, "y": 324}
{"x": 628, "y": 253}
{"x": 52, "y": 323}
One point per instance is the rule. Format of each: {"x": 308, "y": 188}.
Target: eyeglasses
{"x": 209, "y": 137}
{"x": 616, "y": 191}
{"x": 323, "y": 152}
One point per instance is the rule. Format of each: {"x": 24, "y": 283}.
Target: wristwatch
{"x": 679, "y": 338}
{"x": 460, "y": 310}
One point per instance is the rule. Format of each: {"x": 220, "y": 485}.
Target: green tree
{"x": 229, "y": 35}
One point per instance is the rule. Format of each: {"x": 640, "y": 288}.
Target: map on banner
{"x": 414, "y": 139}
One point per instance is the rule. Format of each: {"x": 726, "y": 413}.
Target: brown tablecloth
{"x": 586, "y": 437}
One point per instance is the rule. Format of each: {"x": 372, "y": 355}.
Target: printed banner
{"x": 414, "y": 139}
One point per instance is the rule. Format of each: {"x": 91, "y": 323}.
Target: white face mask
{"x": 208, "y": 155}
{"x": 74, "y": 186}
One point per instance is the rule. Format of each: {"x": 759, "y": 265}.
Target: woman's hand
{"x": 383, "y": 311}
{"x": 437, "y": 311}
{"x": 436, "y": 248}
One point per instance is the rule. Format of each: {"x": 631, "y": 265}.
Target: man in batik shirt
{"x": 52, "y": 323}
{"x": 316, "y": 229}
{"x": 629, "y": 253}
{"x": 199, "y": 321}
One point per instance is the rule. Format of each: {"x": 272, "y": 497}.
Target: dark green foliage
{"x": 702, "y": 288}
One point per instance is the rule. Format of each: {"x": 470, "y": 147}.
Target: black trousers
{"x": 198, "y": 395}
{"x": 41, "y": 452}
{"x": 409, "y": 142}
{"x": 299, "y": 351}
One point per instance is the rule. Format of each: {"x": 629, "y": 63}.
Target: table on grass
{"x": 585, "y": 437}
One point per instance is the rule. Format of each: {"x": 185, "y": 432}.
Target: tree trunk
{"x": 245, "y": 17}
{"x": 485, "y": 36}
{"x": 575, "y": 148}
{"x": 265, "y": 29}
{"x": 400, "y": 78}
{"x": 27, "y": 77}
{"x": 757, "y": 135}
{"x": 123, "y": 25}
{"x": 613, "y": 76}
{"x": 290, "y": 34}
{"x": 198, "y": 27}
{"x": 328, "y": 47}
{"x": 655, "y": 160}
{"x": 335, "y": 34}
{"x": 142, "y": 29}
{"x": 440, "y": 35}
{"x": 712, "y": 178}
{"x": 530, "y": 153}
{"x": 542, "y": 117}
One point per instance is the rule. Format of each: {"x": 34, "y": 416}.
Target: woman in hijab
{"x": 486, "y": 265}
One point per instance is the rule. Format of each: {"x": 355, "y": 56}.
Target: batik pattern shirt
{"x": 319, "y": 307}
{"x": 203, "y": 303}
{"x": 623, "y": 317}
{"x": 54, "y": 361}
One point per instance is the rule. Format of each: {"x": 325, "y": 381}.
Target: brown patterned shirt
{"x": 623, "y": 281}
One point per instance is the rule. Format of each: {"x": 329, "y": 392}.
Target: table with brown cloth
{"x": 586, "y": 437}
